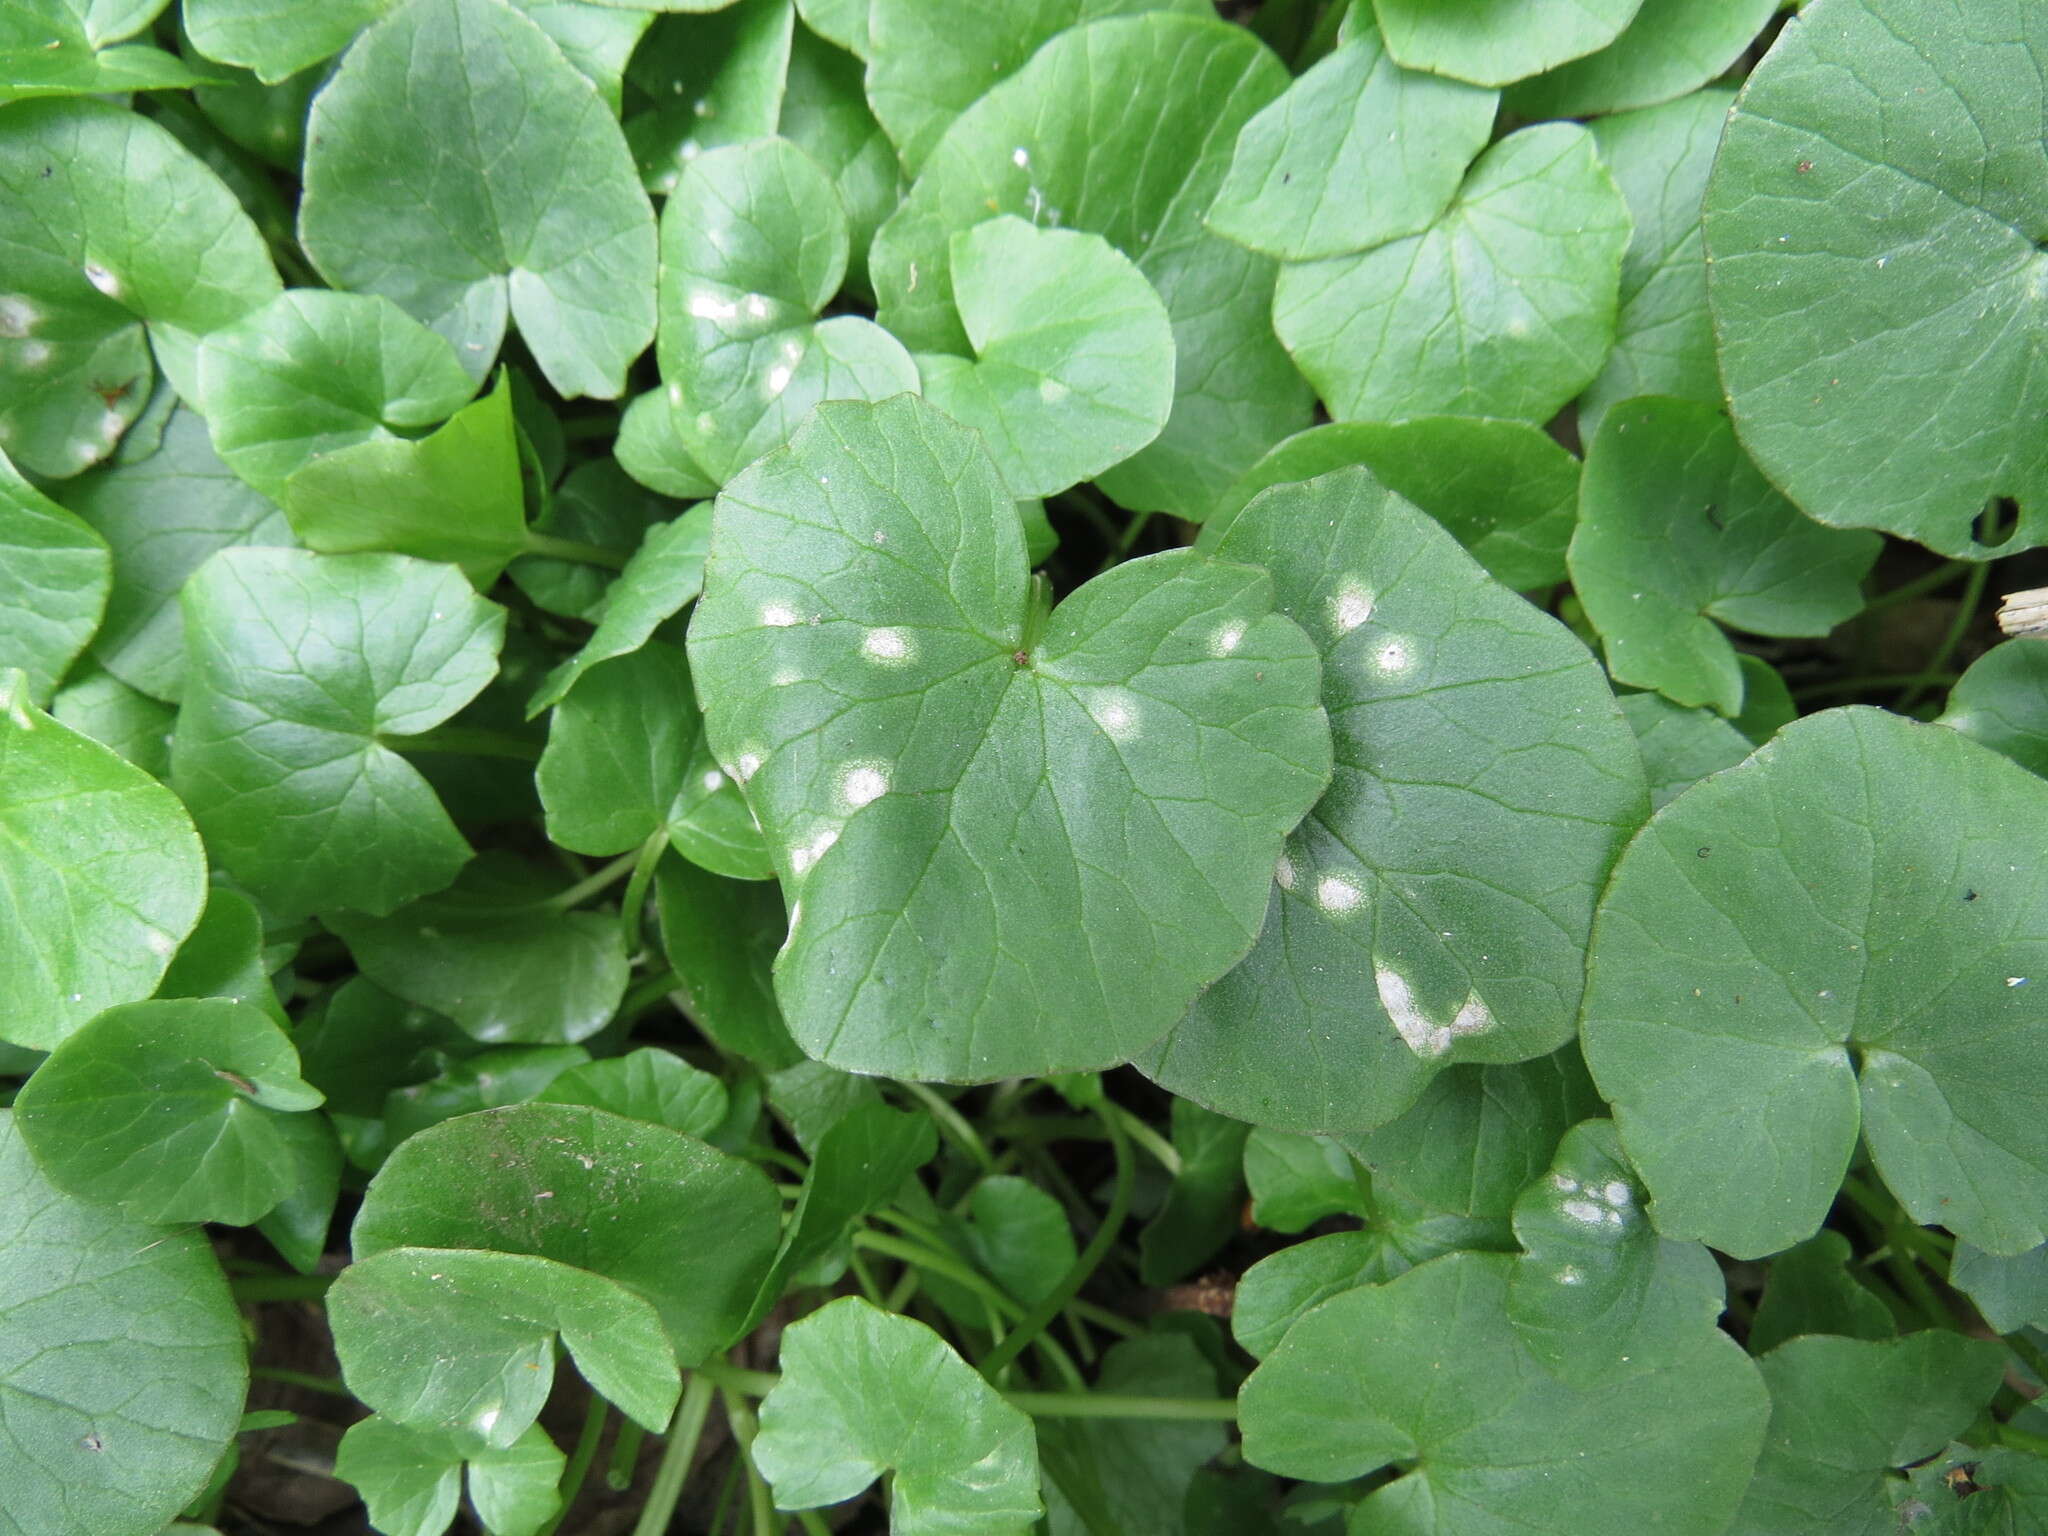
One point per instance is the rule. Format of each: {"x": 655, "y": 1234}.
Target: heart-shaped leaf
{"x": 664, "y": 1215}
{"x": 1312, "y": 176}
{"x": 1296, "y": 1181}
{"x": 1496, "y": 42}
{"x": 93, "y": 281}
{"x": 753, "y": 246}
{"x": 314, "y": 371}
{"x": 122, "y": 1364}
{"x": 865, "y": 1392}
{"x": 101, "y": 876}
{"x": 461, "y": 1343}
{"x": 1840, "y": 931}
{"x": 1433, "y": 907}
{"x": 1496, "y": 1441}
{"x": 412, "y": 1482}
{"x": 647, "y": 1084}
{"x": 531, "y": 168}
{"x": 954, "y": 782}
{"x": 1073, "y": 365}
{"x": 1123, "y": 128}
{"x": 1677, "y": 529}
{"x": 1858, "y": 255}
{"x": 54, "y": 576}
{"x": 1811, "y": 1288}
{"x": 297, "y": 668}
{"x": 1503, "y": 307}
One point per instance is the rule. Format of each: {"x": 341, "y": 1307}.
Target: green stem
{"x": 579, "y": 1462}
{"x": 999, "y": 1302}
{"x": 647, "y": 992}
{"x": 1102, "y": 1317}
{"x": 1126, "y": 541}
{"x": 573, "y": 549}
{"x": 683, "y": 1435}
{"x": 813, "y": 1523}
{"x": 328, "y": 1384}
{"x": 741, "y": 1418}
{"x": 1054, "y": 1301}
{"x": 1163, "y": 1151}
{"x": 280, "y": 1287}
{"x": 731, "y": 1378}
{"x": 2023, "y": 1440}
{"x": 1937, "y": 664}
{"x": 599, "y": 880}
{"x": 2029, "y": 1354}
{"x": 1919, "y": 586}
{"x": 1107, "y": 1405}
{"x": 953, "y": 1123}
{"x": 631, "y": 904}
{"x": 625, "y": 1458}
{"x": 863, "y": 1277}
{"x": 470, "y": 741}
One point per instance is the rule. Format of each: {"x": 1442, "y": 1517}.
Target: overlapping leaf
{"x": 54, "y": 576}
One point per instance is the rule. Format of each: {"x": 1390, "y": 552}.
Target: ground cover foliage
{"x": 992, "y": 766}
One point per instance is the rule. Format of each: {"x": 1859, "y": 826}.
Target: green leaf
{"x": 651, "y": 449}
{"x": 274, "y": 42}
{"x": 1073, "y": 365}
{"x": 1663, "y": 333}
{"x": 1505, "y": 306}
{"x": 1845, "y": 1412}
{"x": 123, "y": 1368}
{"x": 2006, "y": 1490}
{"x": 722, "y": 935}
{"x": 664, "y": 576}
{"x": 1313, "y": 176}
{"x": 1123, "y": 128}
{"x": 713, "y": 80}
{"x": 1581, "y": 1296}
{"x": 930, "y": 61}
{"x": 1496, "y": 1442}
{"x": 1680, "y": 746}
{"x": 825, "y": 113}
{"x": 598, "y": 505}
{"x": 101, "y": 876}
{"x": 844, "y": 22}
{"x": 1296, "y": 1181}
{"x": 1810, "y": 1289}
{"x": 2002, "y": 701}
{"x": 135, "y": 726}
{"x": 1134, "y": 1470}
{"x": 1144, "y": 759}
{"x": 298, "y": 1225}
{"x": 54, "y": 575}
{"x": 514, "y": 1491}
{"x": 312, "y": 372}
{"x": 453, "y": 496}
{"x": 95, "y": 281}
{"x": 647, "y": 1084}
{"x": 1791, "y": 945}
{"x": 865, "y": 1392}
{"x": 811, "y": 1098}
{"x": 1859, "y": 254}
{"x": 665, "y": 1216}
{"x": 599, "y": 42}
{"x": 491, "y": 954}
{"x": 1672, "y": 47}
{"x": 223, "y": 957}
{"x": 162, "y": 515}
{"x": 1496, "y": 42}
{"x": 1504, "y": 489}
{"x": 490, "y": 1079}
{"x": 529, "y": 165}
{"x": 1677, "y": 529}
{"x": 753, "y": 246}
{"x": 411, "y": 1483}
{"x": 167, "y": 1111}
{"x": 1011, "y": 1231}
{"x": 358, "y": 1042}
{"x": 1204, "y": 1202}
{"x": 66, "y": 48}
{"x": 1478, "y": 1135}
{"x": 298, "y": 667}
{"x": 2012, "y": 1293}
{"x": 462, "y": 1343}
{"x": 1434, "y": 906}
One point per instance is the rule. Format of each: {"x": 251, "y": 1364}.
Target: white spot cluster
{"x": 1338, "y": 894}
{"x": 745, "y": 767}
{"x": 1594, "y": 1205}
{"x": 885, "y": 645}
{"x": 779, "y": 616}
{"x": 1418, "y": 1031}
{"x": 705, "y": 305}
{"x": 1351, "y": 607}
{"x": 862, "y": 784}
{"x": 1227, "y": 639}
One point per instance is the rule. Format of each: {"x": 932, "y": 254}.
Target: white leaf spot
{"x": 886, "y": 645}
{"x": 1227, "y": 640}
{"x": 1052, "y": 391}
{"x": 1336, "y": 893}
{"x": 17, "y": 316}
{"x": 1285, "y": 872}
{"x": 778, "y": 379}
{"x": 1351, "y": 607}
{"x": 1020, "y": 157}
{"x": 863, "y": 783}
{"x": 748, "y": 765}
{"x": 779, "y": 616}
{"x": 713, "y": 781}
{"x": 102, "y": 279}
{"x": 706, "y": 305}
{"x": 1393, "y": 657}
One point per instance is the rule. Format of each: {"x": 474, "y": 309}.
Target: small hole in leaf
{"x": 1997, "y": 523}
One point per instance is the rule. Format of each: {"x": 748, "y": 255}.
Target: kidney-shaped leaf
{"x": 1428, "y": 1368}
{"x": 1873, "y": 224}
{"x": 1850, "y": 915}
{"x": 1677, "y": 530}
{"x": 101, "y": 876}
{"x": 86, "y": 273}
{"x": 527, "y": 203}
{"x": 463, "y": 1342}
{"x": 122, "y": 1363}
{"x": 753, "y": 246}
{"x": 169, "y": 1110}
{"x": 297, "y": 668}
{"x": 1123, "y": 128}
{"x": 664, "y": 1215}
{"x": 864, "y": 1392}
{"x": 959, "y": 786}
{"x": 1434, "y": 906}
{"x": 1073, "y": 367}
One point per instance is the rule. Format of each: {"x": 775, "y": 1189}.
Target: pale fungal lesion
{"x": 1350, "y": 608}
{"x": 1418, "y": 1031}
{"x": 1594, "y": 1204}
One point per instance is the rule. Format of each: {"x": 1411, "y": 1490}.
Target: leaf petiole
{"x": 676, "y": 1456}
